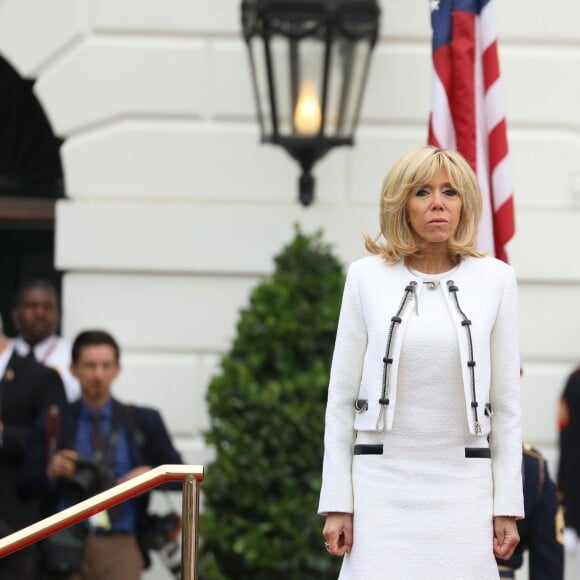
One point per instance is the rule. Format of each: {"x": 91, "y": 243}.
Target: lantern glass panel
{"x": 307, "y": 86}
{"x": 297, "y": 72}
{"x": 279, "y": 54}
{"x": 258, "y": 64}
{"x": 348, "y": 67}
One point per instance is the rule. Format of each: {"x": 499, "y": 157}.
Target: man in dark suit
{"x": 542, "y": 530}
{"x": 99, "y": 442}
{"x": 26, "y": 387}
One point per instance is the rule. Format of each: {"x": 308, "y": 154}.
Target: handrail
{"x": 190, "y": 475}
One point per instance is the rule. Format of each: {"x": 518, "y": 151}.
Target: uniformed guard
{"x": 569, "y": 464}
{"x": 542, "y": 530}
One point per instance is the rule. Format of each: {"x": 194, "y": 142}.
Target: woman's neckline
{"x": 430, "y": 277}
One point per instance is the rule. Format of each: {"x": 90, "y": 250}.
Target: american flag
{"x": 467, "y": 110}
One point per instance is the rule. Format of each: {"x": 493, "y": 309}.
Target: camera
{"x": 159, "y": 530}
{"x": 161, "y": 534}
{"x": 92, "y": 475}
{"x": 170, "y": 556}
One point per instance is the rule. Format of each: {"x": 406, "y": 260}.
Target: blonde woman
{"x": 422, "y": 461}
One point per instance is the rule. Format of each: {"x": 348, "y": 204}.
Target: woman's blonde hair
{"x": 414, "y": 170}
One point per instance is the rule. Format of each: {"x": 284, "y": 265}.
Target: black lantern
{"x": 309, "y": 62}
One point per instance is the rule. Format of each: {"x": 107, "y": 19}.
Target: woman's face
{"x": 434, "y": 210}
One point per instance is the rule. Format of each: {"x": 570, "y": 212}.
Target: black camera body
{"x": 93, "y": 474}
{"x": 159, "y": 530}
{"x": 161, "y": 533}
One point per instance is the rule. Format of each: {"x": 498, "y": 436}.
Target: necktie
{"x": 98, "y": 437}
{"x": 101, "y": 446}
{"x": 30, "y": 355}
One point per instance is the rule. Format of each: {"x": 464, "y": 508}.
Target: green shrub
{"x": 267, "y": 406}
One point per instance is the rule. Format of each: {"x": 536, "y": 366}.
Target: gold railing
{"x": 190, "y": 475}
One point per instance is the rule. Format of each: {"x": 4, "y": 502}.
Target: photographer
{"x": 88, "y": 446}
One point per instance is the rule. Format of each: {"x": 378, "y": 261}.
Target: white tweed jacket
{"x": 481, "y": 294}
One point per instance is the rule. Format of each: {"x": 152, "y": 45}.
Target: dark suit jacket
{"x": 148, "y": 439}
{"x": 26, "y": 387}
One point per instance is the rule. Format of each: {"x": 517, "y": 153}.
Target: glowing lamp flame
{"x": 307, "y": 115}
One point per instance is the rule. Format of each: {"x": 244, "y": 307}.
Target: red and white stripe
{"x": 468, "y": 114}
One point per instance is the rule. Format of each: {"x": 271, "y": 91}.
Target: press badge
{"x": 101, "y": 520}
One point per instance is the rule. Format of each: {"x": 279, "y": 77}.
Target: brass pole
{"x": 189, "y": 538}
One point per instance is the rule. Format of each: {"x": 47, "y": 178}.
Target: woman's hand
{"x": 505, "y": 536}
{"x": 338, "y": 533}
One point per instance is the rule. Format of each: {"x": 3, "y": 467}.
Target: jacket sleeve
{"x": 158, "y": 449}
{"x": 506, "y": 428}
{"x": 33, "y": 478}
{"x": 345, "y": 377}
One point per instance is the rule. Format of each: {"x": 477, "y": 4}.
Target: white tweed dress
{"x": 422, "y": 510}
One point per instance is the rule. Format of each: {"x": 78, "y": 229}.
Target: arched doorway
{"x": 31, "y": 180}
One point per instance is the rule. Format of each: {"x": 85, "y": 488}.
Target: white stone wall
{"x": 175, "y": 210}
